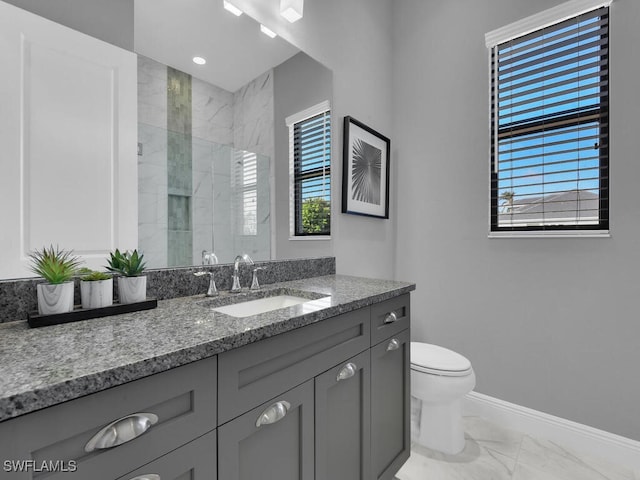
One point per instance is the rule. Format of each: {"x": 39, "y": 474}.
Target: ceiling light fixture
{"x": 267, "y": 31}
{"x": 232, "y": 8}
{"x": 199, "y": 60}
{"x": 291, "y": 9}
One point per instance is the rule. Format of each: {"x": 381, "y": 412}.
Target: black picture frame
{"x": 365, "y": 176}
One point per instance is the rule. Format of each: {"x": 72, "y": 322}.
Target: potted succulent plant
{"x": 57, "y": 267}
{"x": 96, "y": 288}
{"x": 132, "y": 285}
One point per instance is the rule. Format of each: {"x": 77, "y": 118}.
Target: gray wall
{"x": 550, "y": 324}
{"x": 111, "y": 20}
{"x": 298, "y": 83}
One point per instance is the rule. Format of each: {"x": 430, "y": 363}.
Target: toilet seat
{"x": 436, "y": 360}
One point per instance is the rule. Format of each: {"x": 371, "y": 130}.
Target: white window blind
{"x": 245, "y": 180}
{"x": 550, "y": 127}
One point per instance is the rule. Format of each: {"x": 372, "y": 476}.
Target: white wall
{"x": 353, "y": 39}
{"x": 550, "y": 324}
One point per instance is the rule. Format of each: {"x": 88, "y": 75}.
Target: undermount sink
{"x": 246, "y": 305}
{"x": 263, "y": 305}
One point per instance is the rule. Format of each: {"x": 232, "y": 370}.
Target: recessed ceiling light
{"x": 199, "y": 60}
{"x": 232, "y": 8}
{"x": 291, "y": 9}
{"x": 267, "y": 32}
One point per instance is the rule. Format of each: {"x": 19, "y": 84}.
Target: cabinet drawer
{"x": 255, "y": 373}
{"x": 183, "y": 399}
{"x": 194, "y": 461}
{"x": 389, "y": 317}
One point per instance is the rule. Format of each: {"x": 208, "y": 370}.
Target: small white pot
{"x": 54, "y": 299}
{"x": 96, "y": 294}
{"x": 132, "y": 289}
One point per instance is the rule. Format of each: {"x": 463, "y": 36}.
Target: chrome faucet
{"x": 235, "y": 288}
{"x": 209, "y": 258}
{"x": 255, "y": 285}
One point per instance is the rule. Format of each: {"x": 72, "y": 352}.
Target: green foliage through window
{"x": 316, "y": 215}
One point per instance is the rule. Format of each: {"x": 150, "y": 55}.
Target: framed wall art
{"x": 365, "y": 179}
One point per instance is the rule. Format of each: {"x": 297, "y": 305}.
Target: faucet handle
{"x": 254, "y": 283}
{"x": 209, "y": 258}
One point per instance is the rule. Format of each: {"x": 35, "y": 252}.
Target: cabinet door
{"x": 343, "y": 413}
{"x": 390, "y": 405}
{"x": 194, "y": 461}
{"x": 272, "y": 441}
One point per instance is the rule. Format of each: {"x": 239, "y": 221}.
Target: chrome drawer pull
{"x": 273, "y": 414}
{"x": 390, "y": 318}
{"x": 394, "y": 344}
{"x": 348, "y": 371}
{"x": 121, "y": 431}
{"x": 148, "y": 476}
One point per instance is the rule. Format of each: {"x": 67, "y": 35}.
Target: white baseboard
{"x": 582, "y": 438}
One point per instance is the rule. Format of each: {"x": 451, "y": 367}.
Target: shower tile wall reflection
{"x": 152, "y": 162}
{"x": 191, "y": 196}
{"x": 173, "y": 226}
{"x": 180, "y": 169}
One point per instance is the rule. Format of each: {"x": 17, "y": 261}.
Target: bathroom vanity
{"x": 318, "y": 390}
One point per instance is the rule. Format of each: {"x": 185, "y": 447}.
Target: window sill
{"x": 311, "y": 237}
{"x": 553, "y": 234}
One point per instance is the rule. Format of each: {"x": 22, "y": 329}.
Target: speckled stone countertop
{"x": 44, "y": 366}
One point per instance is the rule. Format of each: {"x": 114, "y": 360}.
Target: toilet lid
{"x": 438, "y": 360}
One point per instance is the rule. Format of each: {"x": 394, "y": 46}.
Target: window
{"x": 310, "y": 168}
{"x": 550, "y": 126}
{"x": 245, "y": 181}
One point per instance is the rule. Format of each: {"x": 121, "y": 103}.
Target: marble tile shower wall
{"x": 253, "y": 113}
{"x": 219, "y": 120}
{"x": 153, "y": 192}
{"x": 18, "y": 297}
{"x": 180, "y": 168}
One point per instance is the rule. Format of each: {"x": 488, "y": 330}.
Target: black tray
{"x": 36, "y": 320}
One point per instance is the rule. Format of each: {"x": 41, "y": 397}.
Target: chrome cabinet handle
{"x": 121, "y": 431}
{"x": 394, "y": 344}
{"x": 273, "y": 414}
{"x": 390, "y": 318}
{"x": 148, "y": 476}
{"x": 348, "y": 371}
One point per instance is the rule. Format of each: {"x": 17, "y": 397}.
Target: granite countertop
{"x": 41, "y": 367}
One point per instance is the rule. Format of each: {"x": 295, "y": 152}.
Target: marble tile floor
{"x": 495, "y": 453}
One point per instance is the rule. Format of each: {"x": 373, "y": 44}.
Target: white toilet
{"x": 439, "y": 380}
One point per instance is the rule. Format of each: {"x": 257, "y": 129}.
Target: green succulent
{"x": 89, "y": 275}
{"x": 54, "y": 265}
{"x": 126, "y": 263}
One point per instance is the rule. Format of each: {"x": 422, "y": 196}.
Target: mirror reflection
{"x": 213, "y": 144}
{"x": 207, "y": 132}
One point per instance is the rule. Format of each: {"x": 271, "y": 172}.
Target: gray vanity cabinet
{"x": 342, "y": 408}
{"x": 327, "y": 401}
{"x": 272, "y": 441}
{"x": 390, "y": 405}
{"x": 344, "y": 413}
{"x": 112, "y": 432}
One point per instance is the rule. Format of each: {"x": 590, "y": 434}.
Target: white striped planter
{"x": 54, "y": 299}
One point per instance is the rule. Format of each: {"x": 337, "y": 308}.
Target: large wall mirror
{"x": 212, "y": 143}
{"x": 211, "y": 135}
